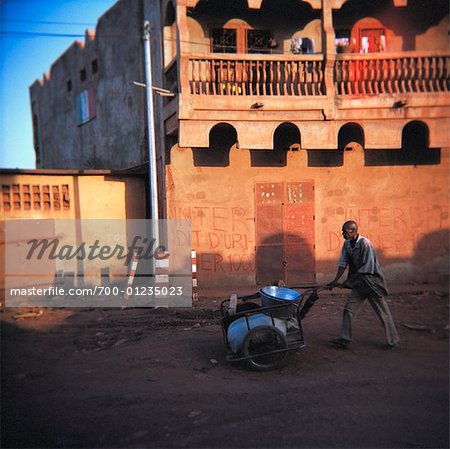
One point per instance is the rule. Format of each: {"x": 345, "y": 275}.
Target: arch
{"x": 295, "y": 15}
{"x": 367, "y": 26}
{"x": 415, "y": 149}
{"x": 199, "y": 42}
{"x": 222, "y": 137}
{"x": 169, "y": 33}
{"x": 416, "y": 141}
{"x": 286, "y": 136}
{"x": 256, "y": 4}
{"x": 401, "y": 35}
{"x": 348, "y": 134}
{"x": 414, "y": 134}
{"x": 369, "y": 34}
{"x": 215, "y": 8}
{"x": 169, "y": 9}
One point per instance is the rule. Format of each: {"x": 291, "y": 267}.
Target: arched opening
{"x": 170, "y": 49}
{"x": 349, "y": 134}
{"x": 169, "y": 35}
{"x": 217, "y": 8}
{"x": 234, "y": 27}
{"x": 415, "y": 144}
{"x": 403, "y": 27}
{"x": 286, "y": 137}
{"x": 414, "y": 149}
{"x": 369, "y": 36}
{"x": 221, "y": 138}
{"x": 361, "y": 28}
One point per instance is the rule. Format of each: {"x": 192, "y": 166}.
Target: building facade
{"x": 289, "y": 117}
{"x": 62, "y": 197}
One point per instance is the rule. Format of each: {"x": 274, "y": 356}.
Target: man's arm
{"x": 342, "y": 265}
{"x": 340, "y": 272}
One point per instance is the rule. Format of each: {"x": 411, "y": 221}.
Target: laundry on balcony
{"x": 302, "y": 45}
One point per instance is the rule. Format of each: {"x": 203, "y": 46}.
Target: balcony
{"x": 405, "y": 73}
{"x": 256, "y": 93}
{"x": 256, "y": 75}
{"x": 304, "y": 76}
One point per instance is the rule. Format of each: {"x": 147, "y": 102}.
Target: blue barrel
{"x": 238, "y": 329}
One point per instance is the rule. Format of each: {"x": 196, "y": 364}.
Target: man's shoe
{"x": 340, "y": 343}
{"x": 392, "y": 346}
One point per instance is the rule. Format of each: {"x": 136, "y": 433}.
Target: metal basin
{"x": 275, "y": 296}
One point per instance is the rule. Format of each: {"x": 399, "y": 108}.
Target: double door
{"x": 285, "y": 248}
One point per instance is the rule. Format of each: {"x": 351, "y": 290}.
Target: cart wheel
{"x": 262, "y": 340}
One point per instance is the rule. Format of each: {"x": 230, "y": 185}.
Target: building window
{"x": 85, "y": 106}
{"x": 69, "y": 85}
{"x": 224, "y": 40}
{"x": 83, "y": 75}
{"x": 94, "y": 66}
{"x": 259, "y": 41}
{"x": 241, "y": 40}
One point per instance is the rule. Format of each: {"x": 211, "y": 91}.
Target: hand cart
{"x": 262, "y": 332}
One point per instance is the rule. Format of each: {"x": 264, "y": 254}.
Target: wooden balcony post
{"x": 183, "y": 46}
{"x": 329, "y": 53}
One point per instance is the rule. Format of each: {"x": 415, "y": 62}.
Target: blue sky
{"x": 26, "y": 57}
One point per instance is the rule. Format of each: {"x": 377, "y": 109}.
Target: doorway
{"x": 285, "y": 243}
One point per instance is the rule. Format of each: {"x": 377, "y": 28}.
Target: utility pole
{"x": 152, "y": 171}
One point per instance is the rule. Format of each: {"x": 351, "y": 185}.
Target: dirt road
{"x": 141, "y": 378}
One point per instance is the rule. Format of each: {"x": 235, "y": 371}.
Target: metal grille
{"x": 224, "y": 40}
{"x": 258, "y": 41}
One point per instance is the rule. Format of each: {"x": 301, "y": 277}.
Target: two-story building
{"x": 289, "y": 117}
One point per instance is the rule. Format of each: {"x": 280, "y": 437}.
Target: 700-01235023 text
{"x": 99, "y": 291}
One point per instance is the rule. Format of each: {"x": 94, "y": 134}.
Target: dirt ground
{"x": 145, "y": 378}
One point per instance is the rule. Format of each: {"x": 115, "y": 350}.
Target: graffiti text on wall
{"x": 399, "y": 229}
{"x": 224, "y": 235}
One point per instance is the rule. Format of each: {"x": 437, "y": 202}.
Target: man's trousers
{"x": 381, "y": 308}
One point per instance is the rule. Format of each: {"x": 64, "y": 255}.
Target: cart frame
{"x": 268, "y": 358}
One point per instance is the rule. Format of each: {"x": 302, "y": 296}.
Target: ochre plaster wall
{"x": 404, "y": 210}
{"x": 90, "y": 197}
{"x": 435, "y": 38}
{"x": 103, "y": 197}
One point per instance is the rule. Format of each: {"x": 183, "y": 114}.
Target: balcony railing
{"x": 354, "y": 74}
{"x": 391, "y": 74}
{"x": 256, "y": 75}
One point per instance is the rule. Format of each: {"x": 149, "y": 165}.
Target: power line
{"x": 205, "y": 43}
{"x": 43, "y": 34}
{"x": 32, "y": 33}
{"x": 48, "y": 22}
